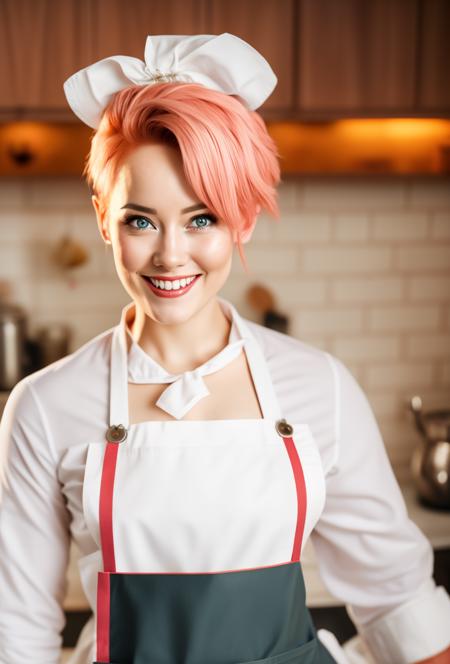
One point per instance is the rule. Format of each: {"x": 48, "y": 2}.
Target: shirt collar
{"x": 142, "y": 368}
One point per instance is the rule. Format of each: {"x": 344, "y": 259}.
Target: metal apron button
{"x": 283, "y": 428}
{"x": 116, "y": 433}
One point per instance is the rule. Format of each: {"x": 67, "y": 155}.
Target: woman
{"x": 187, "y": 451}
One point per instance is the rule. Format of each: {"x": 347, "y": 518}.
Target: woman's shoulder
{"x": 306, "y": 382}
{"x": 292, "y": 356}
{"x": 67, "y": 397}
{"x": 304, "y": 369}
{"x": 80, "y": 366}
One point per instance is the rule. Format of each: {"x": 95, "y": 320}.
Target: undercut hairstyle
{"x": 229, "y": 159}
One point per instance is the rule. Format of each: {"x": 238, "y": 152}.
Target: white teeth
{"x": 171, "y": 285}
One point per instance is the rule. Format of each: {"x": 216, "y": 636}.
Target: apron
{"x": 174, "y": 505}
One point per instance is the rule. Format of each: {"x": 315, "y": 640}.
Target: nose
{"x": 171, "y": 249}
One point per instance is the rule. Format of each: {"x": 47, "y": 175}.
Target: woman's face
{"x": 171, "y": 253}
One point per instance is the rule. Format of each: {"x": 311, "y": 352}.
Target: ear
{"x": 102, "y": 222}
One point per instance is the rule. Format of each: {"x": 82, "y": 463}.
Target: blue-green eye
{"x": 141, "y": 222}
{"x": 202, "y": 221}
{"x": 197, "y": 223}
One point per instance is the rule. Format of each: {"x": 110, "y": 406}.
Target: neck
{"x": 185, "y": 346}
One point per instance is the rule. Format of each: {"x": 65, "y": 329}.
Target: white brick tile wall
{"x": 301, "y": 291}
{"x": 429, "y": 289}
{"x": 384, "y": 404}
{"x": 366, "y": 349}
{"x": 328, "y": 321}
{"x": 405, "y": 376}
{"x": 428, "y": 346}
{"x": 440, "y": 226}
{"x": 289, "y": 195}
{"x": 12, "y": 193}
{"x": 346, "y": 260}
{"x": 367, "y": 289}
{"x": 267, "y": 261}
{"x": 353, "y": 194}
{"x": 429, "y": 194}
{"x": 402, "y": 318}
{"x": 80, "y": 296}
{"x": 398, "y": 433}
{"x": 361, "y": 266}
{"x": 444, "y": 373}
{"x": 350, "y": 227}
{"x": 61, "y": 193}
{"x": 408, "y": 226}
{"x": 265, "y": 229}
{"x": 18, "y": 260}
{"x": 300, "y": 227}
{"x": 424, "y": 257}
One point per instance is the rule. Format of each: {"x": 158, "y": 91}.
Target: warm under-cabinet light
{"x": 378, "y": 145}
{"x": 391, "y": 146}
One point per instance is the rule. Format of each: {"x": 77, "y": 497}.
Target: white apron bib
{"x": 203, "y": 495}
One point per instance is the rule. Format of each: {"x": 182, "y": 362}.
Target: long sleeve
{"x": 34, "y": 535}
{"x": 370, "y": 554}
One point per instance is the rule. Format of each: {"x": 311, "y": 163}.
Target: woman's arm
{"x": 370, "y": 554}
{"x": 34, "y": 535}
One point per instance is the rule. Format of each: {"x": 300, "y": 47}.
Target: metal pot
{"x": 13, "y": 324}
{"x": 53, "y": 342}
{"x": 430, "y": 463}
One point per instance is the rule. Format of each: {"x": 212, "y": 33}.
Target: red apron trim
{"x": 103, "y": 616}
{"x": 106, "y": 506}
{"x": 107, "y": 492}
{"x": 301, "y": 496}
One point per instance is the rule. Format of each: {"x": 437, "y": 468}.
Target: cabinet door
{"x": 45, "y": 41}
{"x": 268, "y": 26}
{"x": 41, "y": 46}
{"x": 121, "y": 26}
{"x": 9, "y": 73}
{"x": 434, "y": 68}
{"x": 356, "y": 56}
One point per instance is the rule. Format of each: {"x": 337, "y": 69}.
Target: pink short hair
{"x": 230, "y": 161}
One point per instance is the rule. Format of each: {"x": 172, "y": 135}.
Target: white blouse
{"x": 370, "y": 555}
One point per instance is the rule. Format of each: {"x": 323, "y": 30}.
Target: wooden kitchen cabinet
{"x": 122, "y": 26}
{"x": 333, "y": 58}
{"x": 373, "y": 57}
{"x": 269, "y": 27}
{"x": 356, "y": 56}
{"x": 41, "y": 45}
{"x": 434, "y": 63}
{"x": 42, "y": 42}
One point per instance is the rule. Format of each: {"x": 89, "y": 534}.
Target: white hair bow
{"x": 224, "y": 63}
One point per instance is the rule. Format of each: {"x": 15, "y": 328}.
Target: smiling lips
{"x": 172, "y": 286}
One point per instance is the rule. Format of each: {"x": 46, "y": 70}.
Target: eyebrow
{"x": 143, "y": 208}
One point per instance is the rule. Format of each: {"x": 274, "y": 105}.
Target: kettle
{"x": 430, "y": 463}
